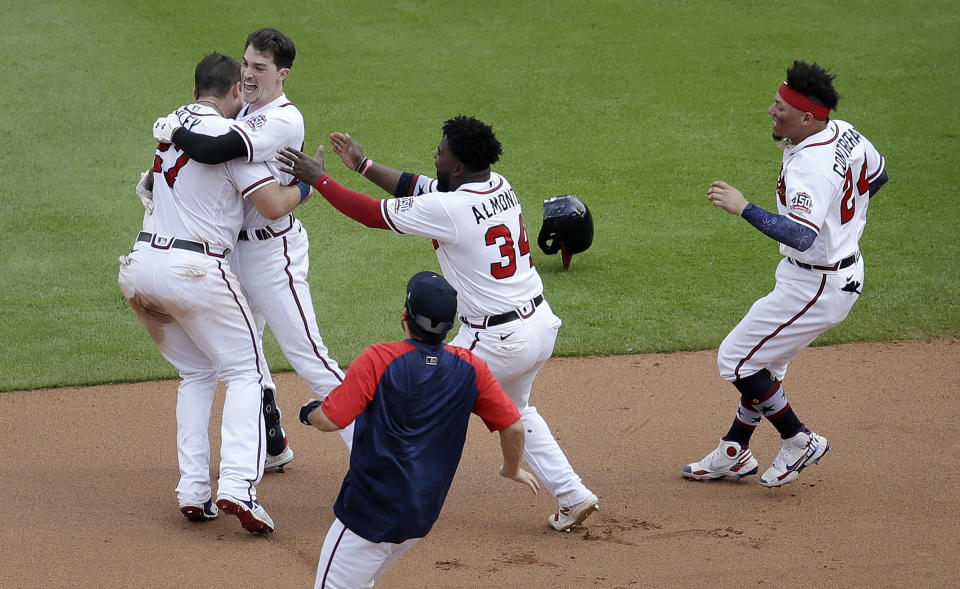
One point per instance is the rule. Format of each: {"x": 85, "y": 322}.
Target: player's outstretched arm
{"x": 777, "y": 227}
{"x": 511, "y": 444}
{"x": 358, "y": 206}
{"x": 351, "y": 153}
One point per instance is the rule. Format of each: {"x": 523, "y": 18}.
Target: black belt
{"x": 848, "y": 261}
{"x": 263, "y": 232}
{"x": 502, "y": 318}
{"x": 181, "y": 244}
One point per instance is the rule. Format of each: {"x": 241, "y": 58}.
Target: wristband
{"x": 307, "y": 409}
{"x": 361, "y": 164}
{"x": 365, "y": 166}
{"x": 305, "y": 190}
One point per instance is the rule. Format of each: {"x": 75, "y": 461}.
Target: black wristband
{"x": 362, "y": 162}
{"x": 307, "y": 409}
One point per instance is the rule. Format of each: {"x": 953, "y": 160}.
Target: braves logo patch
{"x": 801, "y": 203}
{"x": 402, "y": 205}
{"x": 256, "y": 123}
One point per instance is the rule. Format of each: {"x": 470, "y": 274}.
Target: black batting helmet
{"x": 567, "y": 227}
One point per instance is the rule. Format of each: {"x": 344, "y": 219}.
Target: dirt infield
{"x": 88, "y": 478}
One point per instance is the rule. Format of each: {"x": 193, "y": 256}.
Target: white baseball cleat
{"x": 278, "y": 461}
{"x": 797, "y": 453}
{"x": 253, "y": 517}
{"x": 566, "y": 518}
{"x": 727, "y": 460}
{"x": 199, "y": 512}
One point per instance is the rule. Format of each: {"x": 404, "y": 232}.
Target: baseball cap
{"x": 431, "y": 303}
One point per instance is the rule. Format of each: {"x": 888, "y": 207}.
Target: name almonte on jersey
{"x": 500, "y": 202}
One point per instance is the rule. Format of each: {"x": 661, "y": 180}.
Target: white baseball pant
{"x": 273, "y": 273}
{"x": 803, "y": 304}
{"x": 515, "y": 352}
{"x": 348, "y": 561}
{"x": 193, "y": 308}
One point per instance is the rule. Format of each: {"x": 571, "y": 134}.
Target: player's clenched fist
{"x": 164, "y": 128}
{"x": 726, "y": 197}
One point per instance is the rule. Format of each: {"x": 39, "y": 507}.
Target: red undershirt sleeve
{"x": 356, "y": 205}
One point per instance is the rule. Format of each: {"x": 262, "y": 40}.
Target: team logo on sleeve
{"x": 801, "y": 203}
{"x": 256, "y": 123}
{"x": 402, "y": 205}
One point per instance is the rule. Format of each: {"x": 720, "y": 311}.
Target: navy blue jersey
{"x": 411, "y": 402}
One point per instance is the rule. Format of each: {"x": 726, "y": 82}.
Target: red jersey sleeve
{"x": 348, "y": 400}
{"x": 493, "y": 405}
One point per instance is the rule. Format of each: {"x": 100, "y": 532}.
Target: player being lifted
{"x": 180, "y": 282}
{"x": 272, "y": 257}
{"x": 829, "y": 173}
{"x": 474, "y": 219}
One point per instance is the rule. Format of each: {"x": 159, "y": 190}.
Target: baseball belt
{"x": 502, "y": 318}
{"x": 164, "y": 243}
{"x": 848, "y": 261}
{"x": 267, "y": 232}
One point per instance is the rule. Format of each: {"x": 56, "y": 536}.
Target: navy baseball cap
{"x": 431, "y": 303}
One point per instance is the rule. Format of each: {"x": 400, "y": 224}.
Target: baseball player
{"x": 179, "y": 282}
{"x": 830, "y": 172}
{"x": 272, "y": 256}
{"x": 412, "y": 401}
{"x": 474, "y": 218}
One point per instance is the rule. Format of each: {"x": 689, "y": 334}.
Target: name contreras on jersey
{"x": 845, "y": 144}
{"x": 501, "y": 202}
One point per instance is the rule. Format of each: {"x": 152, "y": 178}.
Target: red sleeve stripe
{"x": 258, "y": 185}
{"x": 246, "y": 139}
{"x": 384, "y": 210}
{"x": 804, "y": 221}
{"x": 879, "y": 170}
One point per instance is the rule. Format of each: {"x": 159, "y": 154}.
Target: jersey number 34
{"x": 499, "y": 236}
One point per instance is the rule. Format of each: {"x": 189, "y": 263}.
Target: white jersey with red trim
{"x": 824, "y": 185}
{"x": 480, "y": 239}
{"x": 265, "y": 130}
{"x": 200, "y": 202}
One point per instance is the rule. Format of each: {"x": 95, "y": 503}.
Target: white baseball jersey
{"x": 264, "y": 131}
{"x": 199, "y": 202}
{"x": 483, "y": 250}
{"x": 191, "y": 303}
{"x": 824, "y": 185}
{"x": 480, "y": 239}
{"x": 273, "y": 266}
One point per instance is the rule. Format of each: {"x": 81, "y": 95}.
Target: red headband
{"x": 801, "y": 102}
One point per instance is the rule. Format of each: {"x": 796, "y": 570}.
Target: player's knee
{"x": 757, "y": 387}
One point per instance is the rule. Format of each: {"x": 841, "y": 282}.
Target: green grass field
{"x": 634, "y": 106}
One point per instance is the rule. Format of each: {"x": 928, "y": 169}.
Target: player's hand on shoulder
{"x": 350, "y": 152}
{"x": 164, "y": 127}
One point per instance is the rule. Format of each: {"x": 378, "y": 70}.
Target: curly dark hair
{"x": 215, "y": 75}
{"x": 272, "y": 40}
{"x": 814, "y": 82}
{"x": 472, "y": 142}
